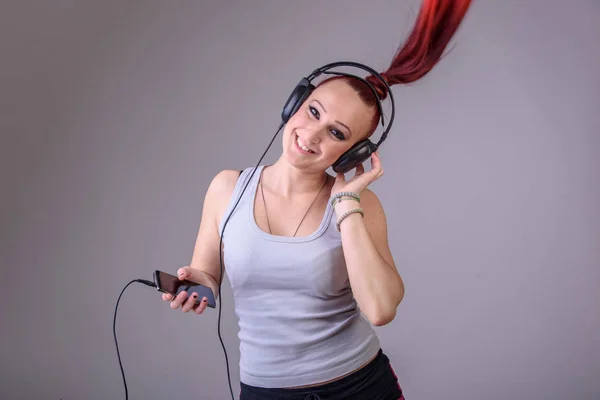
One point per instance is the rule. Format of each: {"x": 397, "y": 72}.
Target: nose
{"x": 312, "y": 135}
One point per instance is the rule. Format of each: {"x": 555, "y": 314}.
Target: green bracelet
{"x": 348, "y": 213}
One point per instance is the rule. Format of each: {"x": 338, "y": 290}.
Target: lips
{"x": 301, "y": 146}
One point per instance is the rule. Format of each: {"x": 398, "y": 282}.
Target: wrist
{"x": 206, "y": 279}
{"x": 346, "y": 217}
{"x": 346, "y": 198}
{"x": 344, "y": 205}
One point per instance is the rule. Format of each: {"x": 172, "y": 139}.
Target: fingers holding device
{"x": 182, "y": 292}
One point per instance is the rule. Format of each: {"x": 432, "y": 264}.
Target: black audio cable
{"x": 221, "y": 254}
{"x": 147, "y": 283}
{"x": 153, "y": 285}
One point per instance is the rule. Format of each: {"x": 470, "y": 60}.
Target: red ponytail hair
{"x": 436, "y": 23}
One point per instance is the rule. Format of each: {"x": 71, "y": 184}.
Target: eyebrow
{"x": 341, "y": 123}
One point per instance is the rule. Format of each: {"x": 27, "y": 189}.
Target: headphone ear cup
{"x": 299, "y": 94}
{"x": 356, "y": 155}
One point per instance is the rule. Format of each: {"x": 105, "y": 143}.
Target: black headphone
{"x": 362, "y": 150}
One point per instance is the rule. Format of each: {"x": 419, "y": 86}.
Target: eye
{"x": 337, "y": 134}
{"x": 314, "y": 112}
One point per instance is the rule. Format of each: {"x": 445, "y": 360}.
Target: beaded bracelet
{"x": 348, "y": 213}
{"x": 336, "y": 197}
{"x": 337, "y": 200}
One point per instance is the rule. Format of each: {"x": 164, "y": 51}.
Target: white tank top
{"x": 299, "y": 323}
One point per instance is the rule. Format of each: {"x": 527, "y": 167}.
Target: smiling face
{"x": 328, "y": 123}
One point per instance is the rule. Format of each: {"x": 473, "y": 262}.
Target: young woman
{"x": 310, "y": 276}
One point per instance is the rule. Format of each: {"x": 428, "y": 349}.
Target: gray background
{"x": 115, "y": 115}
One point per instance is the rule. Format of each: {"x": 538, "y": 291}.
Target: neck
{"x": 288, "y": 181}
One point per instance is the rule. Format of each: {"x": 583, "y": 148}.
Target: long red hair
{"x": 436, "y": 23}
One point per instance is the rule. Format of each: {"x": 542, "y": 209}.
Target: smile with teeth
{"x": 303, "y": 146}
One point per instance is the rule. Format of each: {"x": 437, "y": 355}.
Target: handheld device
{"x": 172, "y": 285}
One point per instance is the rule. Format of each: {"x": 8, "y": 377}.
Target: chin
{"x": 304, "y": 165}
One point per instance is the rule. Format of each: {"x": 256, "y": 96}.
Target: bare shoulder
{"x": 220, "y": 191}
{"x": 371, "y": 204}
{"x": 224, "y": 182}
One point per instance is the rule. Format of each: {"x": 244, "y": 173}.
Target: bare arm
{"x": 205, "y": 266}
{"x": 376, "y": 283}
{"x": 205, "y": 258}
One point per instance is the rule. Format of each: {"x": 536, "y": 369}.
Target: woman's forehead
{"x": 343, "y": 103}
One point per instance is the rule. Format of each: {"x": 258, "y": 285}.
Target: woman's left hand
{"x": 361, "y": 179}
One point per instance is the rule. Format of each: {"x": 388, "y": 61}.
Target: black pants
{"x": 375, "y": 381}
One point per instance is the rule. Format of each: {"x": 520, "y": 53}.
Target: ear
{"x": 356, "y": 155}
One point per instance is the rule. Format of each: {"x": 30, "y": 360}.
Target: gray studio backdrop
{"x": 115, "y": 115}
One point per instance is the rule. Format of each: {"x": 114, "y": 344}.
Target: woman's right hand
{"x": 187, "y": 303}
